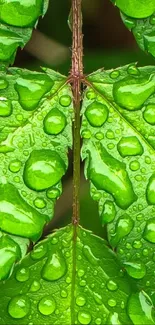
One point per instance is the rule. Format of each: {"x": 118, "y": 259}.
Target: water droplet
{"x": 131, "y": 93}
{"x": 97, "y": 114}
{"x": 43, "y": 169}
{"x": 90, "y": 94}
{"x": 134, "y": 165}
{"x": 86, "y": 134}
{"x": 96, "y": 196}
{"x": 84, "y": 317}
{"x": 114, "y": 74}
{"x": 136, "y": 270}
{"x": 89, "y": 255}
{"x": 80, "y": 301}
{"x": 15, "y": 166}
{"x": 35, "y": 286}
{"x": 98, "y": 321}
{"x": 19, "y": 13}
{"x": 39, "y": 203}
{"x": 31, "y": 88}
{"x": 47, "y": 305}
{"x": 53, "y": 193}
{"x": 22, "y": 274}
{"x": 97, "y": 298}
{"x": 64, "y": 294}
{"x": 81, "y": 272}
{"x": 54, "y": 122}
{"x": 150, "y": 191}
{"x": 149, "y": 231}
{"x": 99, "y": 136}
{"x": 137, "y": 244}
{"x": 113, "y": 319}
{"x": 133, "y": 70}
{"x": 140, "y": 308}
{"x": 110, "y": 174}
{"x": 108, "y": 212}
{"x": 3, "y": 83}
{"x": 82, "y": 283}
{"x": 112, "y": 286}
{"x": 65, "y": 100}
{"x": 19, "y": 307}
{"x": 5, "y": 107}
{"x": 39, "y": 251}
{"x": 130, "y": 146}
{"x": 54, "y": 268}
{"x": 110, "y": 134}
{"x": 152, "y": 20}
{"x": 20, "y": 218}
{"x": 123, "y": 227}
{"x": 112, "y": 302}
{"x": 149, "y": 114}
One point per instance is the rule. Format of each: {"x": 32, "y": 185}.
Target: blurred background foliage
{"x": 108, "y": 44}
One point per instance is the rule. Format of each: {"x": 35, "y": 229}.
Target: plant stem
{"x": 76, "y": 77}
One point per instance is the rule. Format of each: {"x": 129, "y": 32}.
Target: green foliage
{"x": 74, "y": 277}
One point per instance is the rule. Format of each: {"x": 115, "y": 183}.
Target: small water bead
{"x": 112, "y": 286}
{"x": 43, "y": 169}
{"x": 84, "y": 317}
{"x": 90, "y": 94}
{"x": 110, "y": 134}
{"x": 134, "y": 165}
{"x": 35, "y": 286}
{"x": 80, "y": 301}
{"x": 86, "y": 134}
{"x": 81, "y": 272}
{"x": 133, "y": 70}
{"x": 97, "y": 114}
{"x": 64, "y": 294}
{"x": 123, "y": 227}
{"x": 82, "y": 283}
{"x": 114, "y": 74}
{"x": 148, "y": 160}
{"x": 110, "y": 146}
{"x": 54, "y": 122}
{"x": 39, "y": 251}
{"x": 145, "y": 252}
{"x": 130, "y": 146}
{"x": 108, "y": 212}
{"x": 65, "y": 100}
{"x": 140, "y": 308}
{"x": 15, "y": 166}
{"x": 96, "y": 196}
{"x": 98, "y": 321}
{"x": 136, "y": 270}
{"x": 137, "y": 244}
{"x": 99, "y": 136}
{"x": 113, "y": 319}
{"x": 149, "y": 231}
{"x": 19, "y": 307}
{"x": 131, "y": 93}
{"x": 47, "y": 305}
{"x": 87, "y": 251}
{"x": 22, "y": 274}
{"x": 3, "y": 83}
{"x": 55, "y": 267}
{"x": 112, "y": 302}
{"x": 68, "y": 280}
{"x": 149, "y": 114}
{"x": 39, "y": 203}
{"x": 53, "y": 193}
{"x": 5, "y": 107}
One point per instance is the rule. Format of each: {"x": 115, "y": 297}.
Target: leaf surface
{"x": 72, "y": 277}
{"x": 118, "y": 145}
{"x": 35, "y": 121}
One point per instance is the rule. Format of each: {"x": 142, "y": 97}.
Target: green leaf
{"x": 17, "y": 19}
{"x": 138, "y": 16}
{"x": 118, "y": 131}
{"x": 36, "y": 131}
{"x": 72, "y": 277}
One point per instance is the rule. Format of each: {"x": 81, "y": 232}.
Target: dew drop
{"x": 113, "y": 319}
{"x": 123, "y": 227}
{"x": 43, "y": 169}
{"x": 91, "y": 95}
{"x": 54, "y": 122}
{"x": 149, "y": 114}
{"x": 9, "y": 254}
{"x": 22, "y": 274}
{"x": 140, "y": 308}
{"x": 15, "y": 166}
{"x": 133, "y": 70}
{"x": 97, "y": 298}
{"x": 112, "y": 302}
{"x": 149, "y": 231}
{"x": 96, "y": 114}
{"x": 114, "y": 74}
{"x": 80, "y": 301}
{"x": 98, "y": 321}
{"x": 112, "y": 286}
{"x": 19, "y": 307}
{"x": 150, "y": 191}
{"x": 108, "y": 212}
{"x": 35, "y": 286}
{"x": 39, "y": 203}
{"x": 89, "y": 255}
{"x": 65, "y": 100}
{"x": 5, "y": 107}
{"x": 136, "y": 270}
{"x": 64, "y": 294}
{"x": 54, "y": 268}
{"x": 39, "y": 251}
{"x": 3, "y": 83}
{"x": 134, "y": 165}
{"x": 53, "y": 193}
{"x": 47, "y": 305}
{"x": 86, "y": 134}
{"x": 99, "y": 136}
{"x": 84, "y": 317}
{"x": 130, "y": 146}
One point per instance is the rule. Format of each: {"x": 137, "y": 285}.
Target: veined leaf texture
{"x": 74, "y": 277}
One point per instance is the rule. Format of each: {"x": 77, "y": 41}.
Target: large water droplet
{"x": 84, "y": 317}
{"x": 54, "y": 268}
{"x": 150, "y": 191}
{"x": 136, "y": 9}
{"x": 130, "y": 146}
{"x": 22, "y": 274}
{"x": 54, "y": 122}
{"x": 123, "y": 227}
{"x": 80, "y": 301}
{"x": 65, "y": 100}
{"x": 35, "y": 286}
{"x": 9, "y": 42}
{"x": 9, "y": 254}
{"x": 112, "y": 286}
{"x": 149, "y": 114}
{"x": 136, "y": 270}
{"x": 15, "y": 166}
{"x": 43, "y": 169}
{"x": 20, "y": 13}
{"x": 97, "y": 114}
{"x": 31, "y": 88}
{"x": 5, "y": 107}
{"x": 47, "y": 305}
{"x": 19, "y": 307}
{"x": 131, "y": 93}
{"x": 108, "y": 212}
{"x": 140, "y": 308}
{"x": 39, "y": 203}
{"x": 149, "y": 231}
{"x": 16, "y": 216}
{"x": 53, "y": 193}
{"x": 109, "y": 174}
